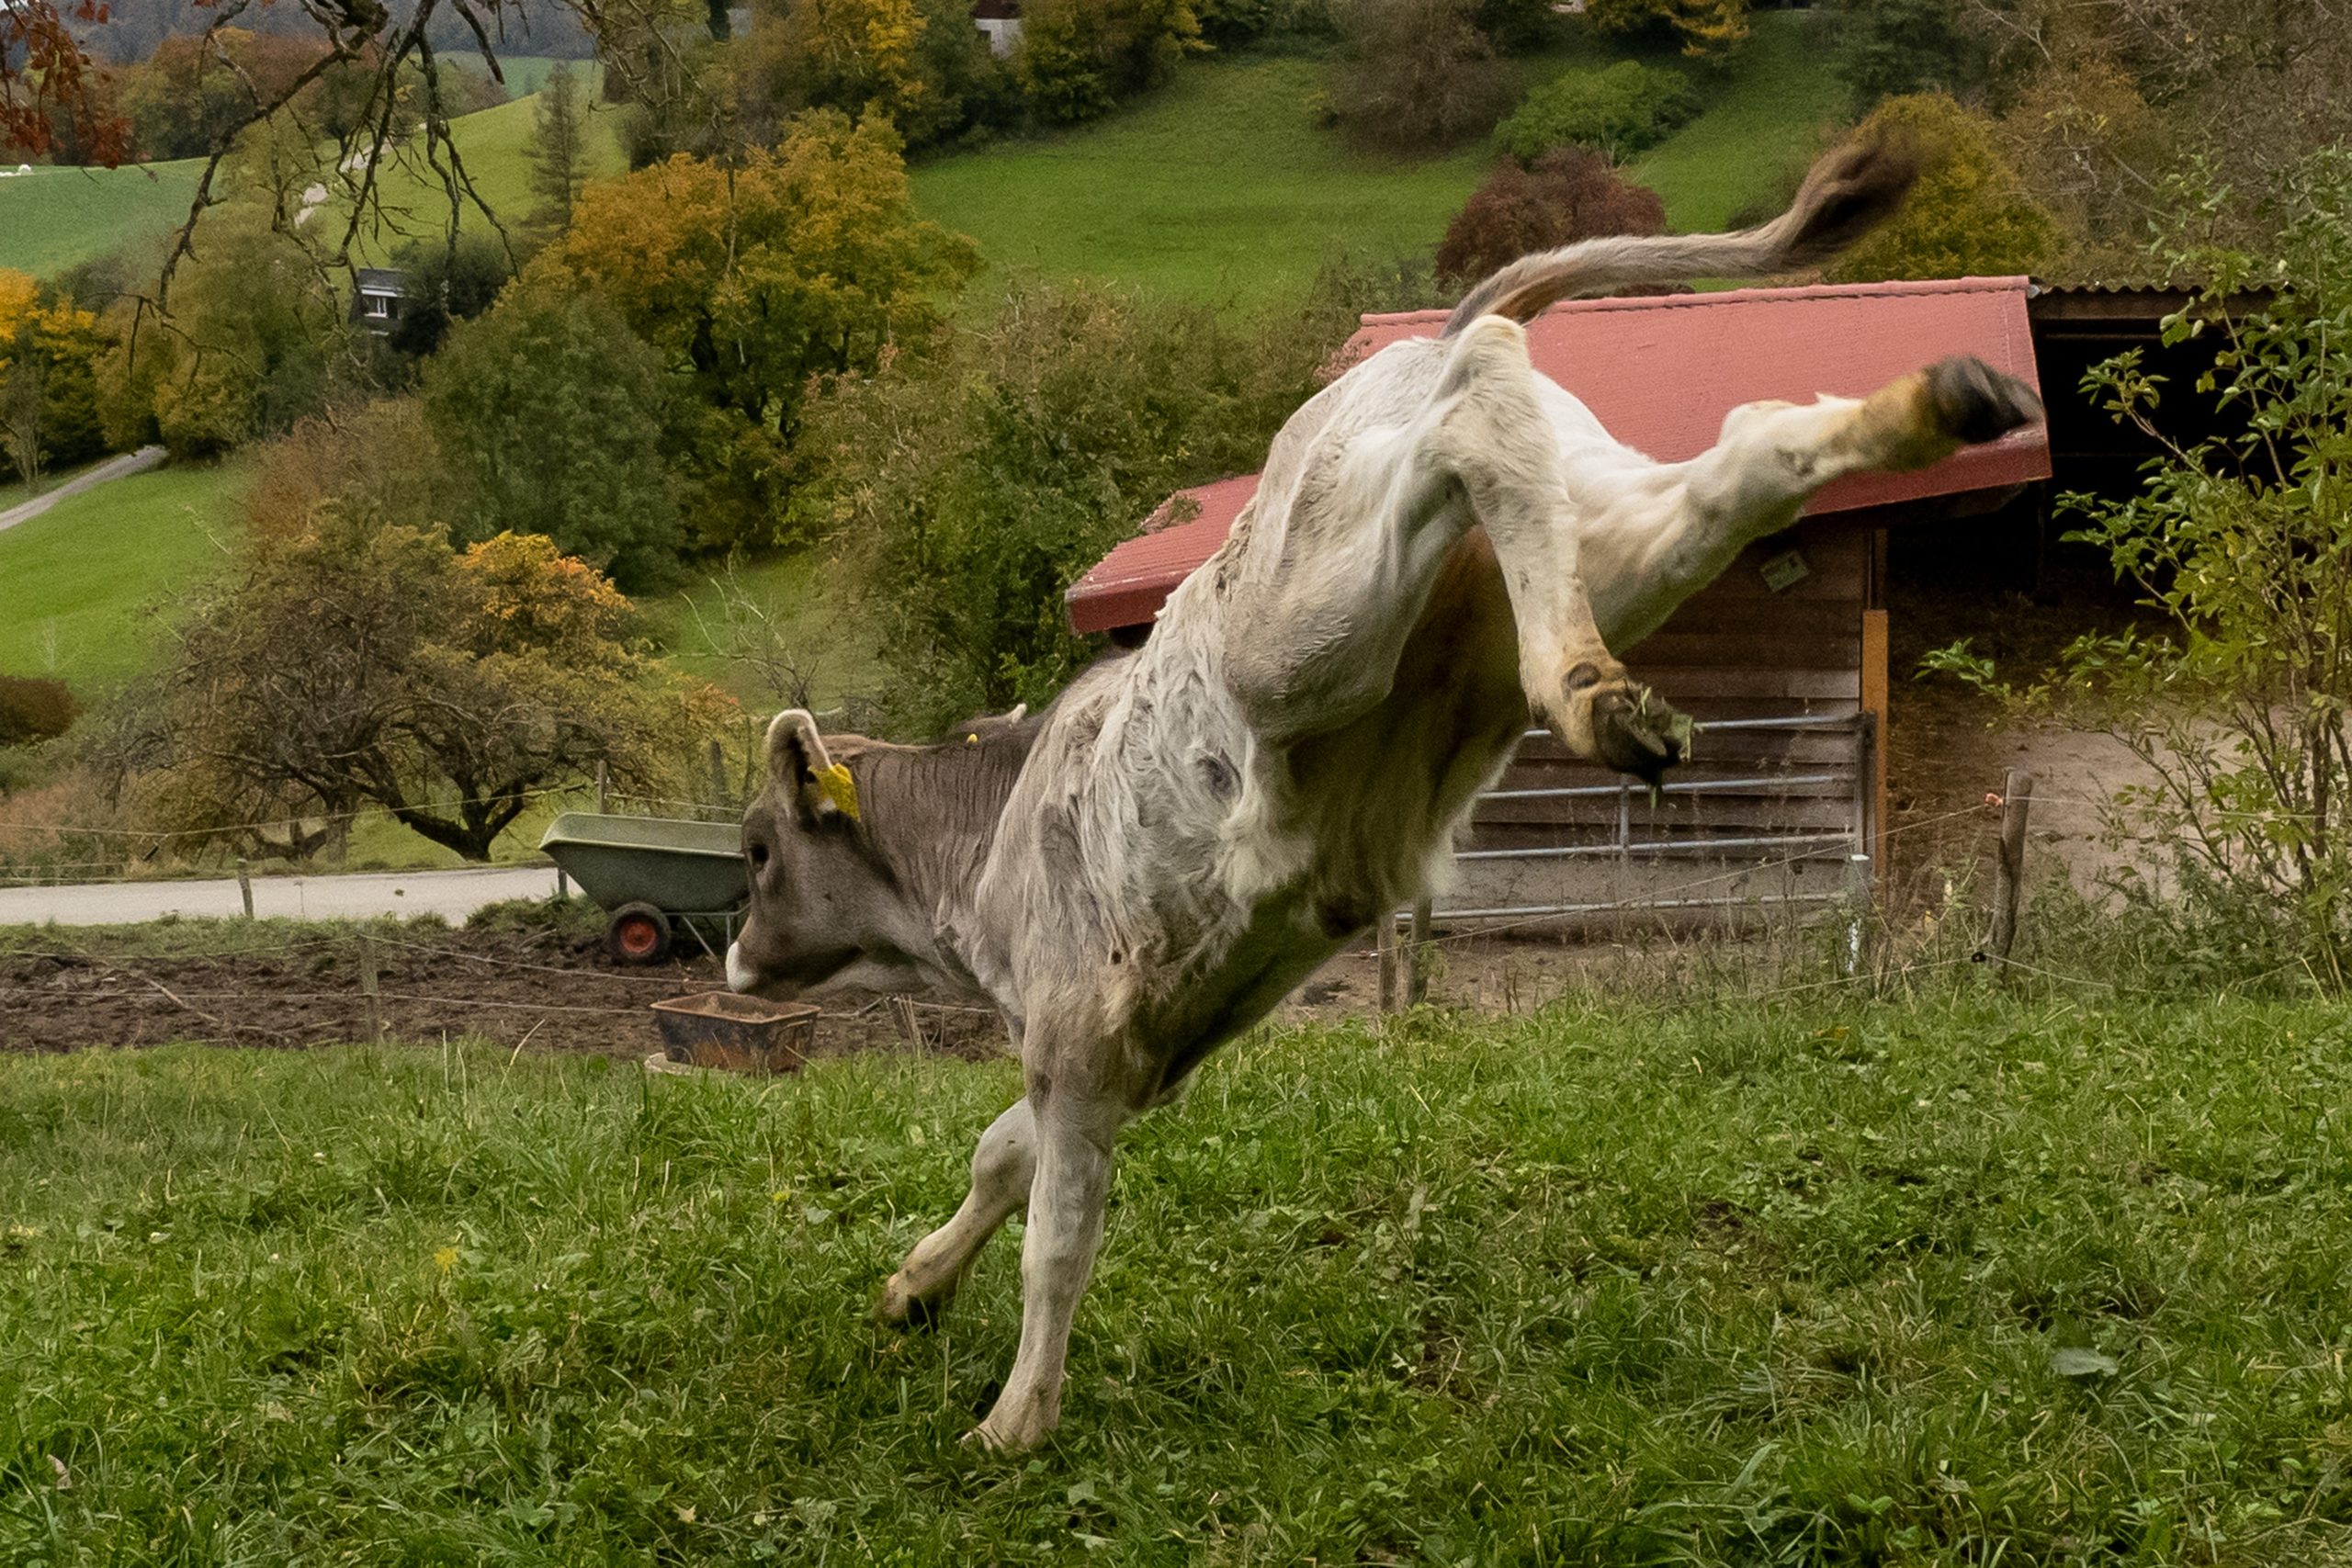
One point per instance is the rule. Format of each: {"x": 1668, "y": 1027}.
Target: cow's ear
{"x": 819, "y": 788}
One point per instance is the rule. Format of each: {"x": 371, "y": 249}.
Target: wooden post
{"x": 245, "y": 886}
{"x": 2008, "y": 871}
{"x": 1417, "y": 972}
{"x": 604, "y": 789}
{"x": 718, "y": 772}
{"x": 372, "y": 1007}
{"x": 1383, "y": 942}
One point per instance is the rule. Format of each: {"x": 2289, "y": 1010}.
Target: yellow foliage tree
{"x": 1969, "y": 215}
{"x": 859, "y": 51}
{"x": 753, "y": 278}
{"x": 18, "y": 294}
{"x": 1705, "y": 27}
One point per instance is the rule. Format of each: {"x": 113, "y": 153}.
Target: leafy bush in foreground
{"x": 2242, "y": 544}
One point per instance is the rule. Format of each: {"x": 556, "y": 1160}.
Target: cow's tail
{"x": 1845, "y": 195}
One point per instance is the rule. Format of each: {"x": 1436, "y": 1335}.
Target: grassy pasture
{"x": 81, "y": 576}
{"x": 54, "y": 219}
{"x": 1221, "y": 188}
{"x": 1958, "y": 1281}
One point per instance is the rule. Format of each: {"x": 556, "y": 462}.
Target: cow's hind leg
{"x": 1332, "y": 601}
{"x": 1003, "y": 1165}
{"x": 1066, "y": 1201}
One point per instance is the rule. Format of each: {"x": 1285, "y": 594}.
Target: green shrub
{"x": 1619, "y": 111}
{"x": 34, "y": 709}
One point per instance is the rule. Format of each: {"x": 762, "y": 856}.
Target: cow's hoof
{"x": 1004, "y": 1439}
{"x": 1635, "y": 733}
{"x": 900, "y": 1307}
{"x": 1970, "y": 401}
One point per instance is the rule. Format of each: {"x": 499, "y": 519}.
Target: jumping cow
{"x": 1443, "y": 545}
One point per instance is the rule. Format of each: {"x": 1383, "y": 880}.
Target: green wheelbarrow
{"x": 656, "y": 876}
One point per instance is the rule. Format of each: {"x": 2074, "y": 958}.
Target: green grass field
{"x": 54, "y": 219}
{"x": 1222, "y": 188}
{"x": 491, "y": 143}
{"x": 82, "y": 576}
{"x": 1955, "y": 1281}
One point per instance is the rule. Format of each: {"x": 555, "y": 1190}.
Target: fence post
{"x": 718, "y": 772}
{"x": 604, "y": 789}
{"x": 1416, "y": 974}
{"x": 1383, "y": 942}
{"x": 372, "y": 1007}
{"x": 245, "y": 886}
{"x": 1858, "y": 904}
{"x": 2008, "y": 870}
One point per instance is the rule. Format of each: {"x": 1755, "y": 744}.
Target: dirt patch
{"x": 542, "y": 990}
{"x": 555, "y": 991}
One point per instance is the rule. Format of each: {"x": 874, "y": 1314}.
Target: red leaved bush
{"x": 1571, "y": 194}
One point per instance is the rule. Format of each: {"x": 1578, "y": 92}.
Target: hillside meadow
{"x": 1953, "y": 1279}
{"x": 1225, "y": 188}
{"x": 56, "y": 217}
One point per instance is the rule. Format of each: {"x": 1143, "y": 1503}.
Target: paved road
{"x": 136, "y": 462}
{"x": 453, "y": 894}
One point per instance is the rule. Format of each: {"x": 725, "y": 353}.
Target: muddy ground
{"x": 555, "y": 990}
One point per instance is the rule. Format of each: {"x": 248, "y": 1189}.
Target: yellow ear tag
{"x": 837, "y": 786}
{"x": 972, "y": 740}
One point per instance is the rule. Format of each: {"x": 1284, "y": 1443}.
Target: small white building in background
{"x": 1000, "y": 20}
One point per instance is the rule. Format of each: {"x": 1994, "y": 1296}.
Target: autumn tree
{"x": 48, "y": 353}
{"x": 1886, "y": 49}
{"x": 971, "y": 489}
{"x": 444, "y": 282}
{"x": 1079, "y": 58}
{"x": 549, "y": 416}
{"x": 751, "y": 279}
{"x": 859, "y": 55}
{"x": 1702, "y": 27}
{"x": 1571, "y": 194}
{"x": 557, "y": 152}
{"x": 1414, "y": 74}
{"x": 1967, "y": 216}
{"x": 257, "y": 338}
{"x": 357, "y": 664}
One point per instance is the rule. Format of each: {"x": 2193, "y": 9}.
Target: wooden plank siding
{"x": 1737, "y": 651}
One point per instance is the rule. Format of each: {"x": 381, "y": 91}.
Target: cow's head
{"x": 827, "y": 909}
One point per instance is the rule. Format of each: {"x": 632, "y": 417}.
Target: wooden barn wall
{"x": 1738, "y": 650}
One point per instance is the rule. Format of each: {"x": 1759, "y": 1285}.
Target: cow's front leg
{"x": 1494, "y": 440}
{"x": 1003, "y": 1165}
{"x": 1066, "y": 1200}
{"x": 1771, "y": 456}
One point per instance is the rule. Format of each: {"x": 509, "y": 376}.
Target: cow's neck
{"x": 930, "y": 815}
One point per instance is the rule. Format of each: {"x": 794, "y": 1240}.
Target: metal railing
{"x": 1766, "y": 849}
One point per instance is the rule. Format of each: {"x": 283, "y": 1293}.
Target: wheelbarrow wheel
{"x": 638, "y": 933}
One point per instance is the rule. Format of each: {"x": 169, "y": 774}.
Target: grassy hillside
{"x": 80, "y": 576}
{"x": 1764, "y": 121}
{"x": 491, "y": 143}
{"x": 52, "y": 219}
{"x": 1219, "y": 187}
{"x": 1222, "y": 188}
{"x": 1964, "y": 1281}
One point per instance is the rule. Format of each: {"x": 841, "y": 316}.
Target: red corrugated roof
{"x": 1661, "y": 373}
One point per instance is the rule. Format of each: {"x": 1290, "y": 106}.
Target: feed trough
{"x": 655, "y": 876}
{"x": 743, "y": 1034}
